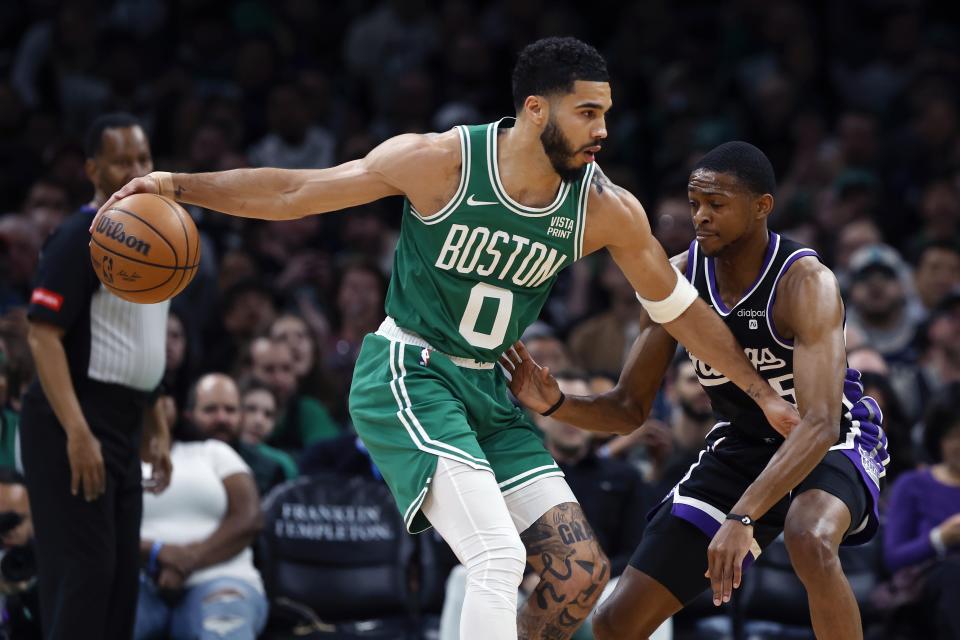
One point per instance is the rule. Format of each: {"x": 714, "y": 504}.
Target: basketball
{"x": 145, "y": 248}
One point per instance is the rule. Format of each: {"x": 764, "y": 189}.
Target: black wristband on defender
{"x": 556, "y": 405}
{"x": 746, "y": 521}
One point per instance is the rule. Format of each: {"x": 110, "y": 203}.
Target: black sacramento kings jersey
{"x": 751, "y": 322}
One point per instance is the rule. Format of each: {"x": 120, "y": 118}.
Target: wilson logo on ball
{"x": 114, "y": 230}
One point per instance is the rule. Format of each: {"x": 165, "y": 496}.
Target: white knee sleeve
{"x": 465, "y": 507}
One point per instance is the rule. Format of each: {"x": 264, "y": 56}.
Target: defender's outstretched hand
{"x": 532, "y": 384}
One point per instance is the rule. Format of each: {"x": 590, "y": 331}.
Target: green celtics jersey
{"x": 470, "y": 278}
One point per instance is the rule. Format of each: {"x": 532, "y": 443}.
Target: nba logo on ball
{"x": 753, "y": 323}
{"x": 145, "y": 248}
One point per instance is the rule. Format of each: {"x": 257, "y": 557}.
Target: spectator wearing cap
{"x": 879, "y": 308}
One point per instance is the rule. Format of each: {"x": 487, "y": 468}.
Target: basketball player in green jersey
{"x": 491, "y": 214}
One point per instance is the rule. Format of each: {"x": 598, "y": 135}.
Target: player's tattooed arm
{"x": 602, "y": 183}
{"x": 754, "y": 391}
{"x": 563, "y": 550}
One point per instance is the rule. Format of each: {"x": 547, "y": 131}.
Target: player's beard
{"x": 560, "y": 152}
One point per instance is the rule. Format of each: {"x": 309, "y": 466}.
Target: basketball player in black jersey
{"x": 819, "y": 485}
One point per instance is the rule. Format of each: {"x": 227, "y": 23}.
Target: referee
{"x": 99, "y": 360}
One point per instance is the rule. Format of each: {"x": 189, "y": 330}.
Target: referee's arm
{"x": 62, "y": 289}
{"x": 83, "y": 449}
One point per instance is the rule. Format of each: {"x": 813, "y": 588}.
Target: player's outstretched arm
{"x": 621, "y": 410}
{"x": 395, "y": 167}
{"x": 618, "y": 222}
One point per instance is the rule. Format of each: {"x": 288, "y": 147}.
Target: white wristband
{"x": 164, "y": 180}
{"x": 936, "y": 541}
{"x": 670, "y": 308}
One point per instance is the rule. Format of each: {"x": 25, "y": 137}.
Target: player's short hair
{"x": 93, "y": 139}
{"x": 743, "y": 160}
{"x": 551, "y": 65}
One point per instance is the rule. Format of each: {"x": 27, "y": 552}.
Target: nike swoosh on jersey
{"x": 471, "y": 202}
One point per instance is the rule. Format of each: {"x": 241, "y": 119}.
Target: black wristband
{"x": 746, "y": 521}
{"x": 556, "y": 405}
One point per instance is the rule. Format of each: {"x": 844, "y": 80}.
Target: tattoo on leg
{"x": 562, "y": 549}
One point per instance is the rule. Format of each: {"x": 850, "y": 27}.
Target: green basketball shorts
{"x": 410, "y": 404}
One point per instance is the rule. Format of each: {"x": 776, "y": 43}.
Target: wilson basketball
{"x": 145, "y": 248}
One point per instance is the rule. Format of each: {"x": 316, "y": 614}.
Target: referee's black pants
{"x": 87, "y": 552}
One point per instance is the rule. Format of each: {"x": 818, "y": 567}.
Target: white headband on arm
{"x": 670, "y": 308}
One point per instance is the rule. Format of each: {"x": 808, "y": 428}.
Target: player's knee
{"x": 610, "y": 623}
{"x": 812, "y": 552}
{"x": 598, "y": 578}
{"x": 583, "y": 580}
{"x": 603, "y": 623}
{"x": 501, "y": 561}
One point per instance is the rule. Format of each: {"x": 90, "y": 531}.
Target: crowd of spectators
{"x": 856, "y": 104}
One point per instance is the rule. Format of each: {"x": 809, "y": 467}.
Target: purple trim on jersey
{"x": 852, "y": 388}
{"x": 700, "y": 519}
{"x": 705, "y": 523}
{"x": 773, "y": 245}
{"x": 868, "y": 449}
{"x": 801, "y": 253}
{"x": 874, "y": 408}
{"x": 873, "y": 517}
{"x": 691, "y": 260}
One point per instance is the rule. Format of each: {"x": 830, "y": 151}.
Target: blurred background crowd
{"x": 856, "y": 103}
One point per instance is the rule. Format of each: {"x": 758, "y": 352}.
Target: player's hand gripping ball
{"x": 145, "y": 248}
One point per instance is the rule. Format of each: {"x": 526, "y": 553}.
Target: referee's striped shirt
{"x": 106, "y": 338}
